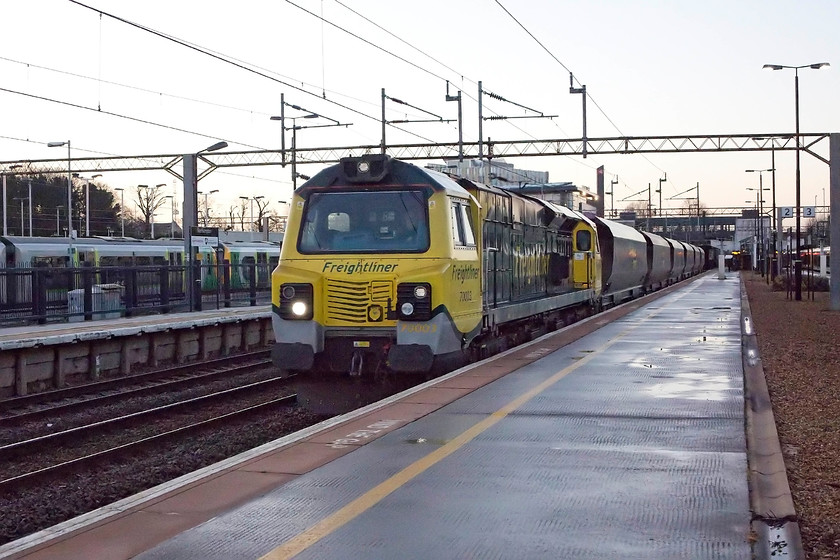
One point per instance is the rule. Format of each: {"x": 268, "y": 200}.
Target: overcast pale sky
{"x": 652, "y": 67}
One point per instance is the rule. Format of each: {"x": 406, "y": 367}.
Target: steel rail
{"x": 118, "y": 382}
{"x": 95, "y": 458}
{"x": 35, "y": 444}
{"x": 148, "y": 390}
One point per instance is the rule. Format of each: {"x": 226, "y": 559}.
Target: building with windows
{"x": 497, "y": 172}
{"x": 534, "y": 183}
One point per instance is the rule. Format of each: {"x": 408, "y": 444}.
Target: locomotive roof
{"x": 381, "y": 171}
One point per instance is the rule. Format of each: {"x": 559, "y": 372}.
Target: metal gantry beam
{"x": 494, "y": 149}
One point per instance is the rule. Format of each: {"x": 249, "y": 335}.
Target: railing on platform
{"x": 40, "y": 295}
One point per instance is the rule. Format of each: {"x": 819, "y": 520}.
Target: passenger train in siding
{"x": 388, "y": 265}
{"x": 25, "y": 252}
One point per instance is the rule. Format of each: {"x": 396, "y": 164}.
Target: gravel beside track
{"x": 798, "y": 344}
{"x": 32, "y": 509}
{"x": 25, "y": 510}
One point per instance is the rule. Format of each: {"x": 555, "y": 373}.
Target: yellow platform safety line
{"x": 304, "y": 540}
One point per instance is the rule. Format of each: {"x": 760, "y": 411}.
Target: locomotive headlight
{"x": 296, "y": 301}
{"x": 414, "y": 301}
{"x": 363, "y": 167}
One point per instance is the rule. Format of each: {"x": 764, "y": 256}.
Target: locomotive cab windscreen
{"x": 379, "y": 221}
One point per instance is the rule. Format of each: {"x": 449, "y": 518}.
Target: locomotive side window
{"x": 462, "y": 232}
{"x": 469, "y": 237}
{"x": 584, "y": 240}
{"x": 457, "y": 236}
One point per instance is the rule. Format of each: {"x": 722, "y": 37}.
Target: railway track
{"x": 218, "y": 366}
{"x": 20, "y": 453}
{"x": 157, "y": 388}
{"x": 81, "y": 477}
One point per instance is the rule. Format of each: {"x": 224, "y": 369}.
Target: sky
{"x": 651, "y": 68}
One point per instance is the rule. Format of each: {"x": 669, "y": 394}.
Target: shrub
{"x": 809, "y": 283}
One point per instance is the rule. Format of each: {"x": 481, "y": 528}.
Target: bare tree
{"x": 262, "y": 212}
{"x": 238, "y": 213}
{"x": 277, "y": 221}
{"x": 639, "y": 207}
{"x": 149, "y": 199}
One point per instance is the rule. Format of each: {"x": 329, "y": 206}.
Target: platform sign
{"x": 790, "y": 212}
{"x": 204, "y": 236}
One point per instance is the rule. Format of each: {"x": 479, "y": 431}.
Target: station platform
{"x": 622, "y": 436}
{"x": 41, "y": 357}
{"x": 13, "y": 338}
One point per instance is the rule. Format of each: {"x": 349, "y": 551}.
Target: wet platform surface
{"x": 628, "y": 443}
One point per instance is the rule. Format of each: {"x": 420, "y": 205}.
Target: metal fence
{"x": 40, "y": 295}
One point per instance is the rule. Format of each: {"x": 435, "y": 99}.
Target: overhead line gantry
{"x": 445, "y": 150}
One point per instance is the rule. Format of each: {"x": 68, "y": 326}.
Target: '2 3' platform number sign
{"x": 789, "y": 212}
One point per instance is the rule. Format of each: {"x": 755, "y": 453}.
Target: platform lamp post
{"x": 755, "y": 229}
{"x": 5, "y": 227}
{"x": 153, "y": 201}
{"x": 145, "y": 188}
{"x": 122, "y": 210}
{"x": 661, "y": 208}
{"x": 171, "y": 198}
{"x": 284, "y": 218}
{"x": 776, "y": 225}
{"x": 759, "y": 196}
{"x": 22, "y": 227}
{"x": 207, "y": 205}
{"x": 29, "y": 186}
{"x": 87, "y": 181}
{"x": 87, "y": 207}
{"x": 69, "y": 185}
{"x": 797, "y": 277}
{"x": 252, "y": 199}
{"x": 190, "y": 215}
{"x": 761, "y": 173}
{"x": 87, "y": 203}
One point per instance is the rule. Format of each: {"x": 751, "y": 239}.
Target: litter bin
{"x": 106, "y": 302}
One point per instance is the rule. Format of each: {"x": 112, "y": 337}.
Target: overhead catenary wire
{"x": 252, "y": 69}
{"x": 398, "y": 38}
{"x": 304, "y": 90}
{"x": 132, "y": 87}
{"x": 127, "y": 117}
{"x": 386, "y": 51}
{"x": 159, "y": 93}
{"x": 401, "y": 102}
{"x": 233, "y": 62}
{"x": 588, "y": 95}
